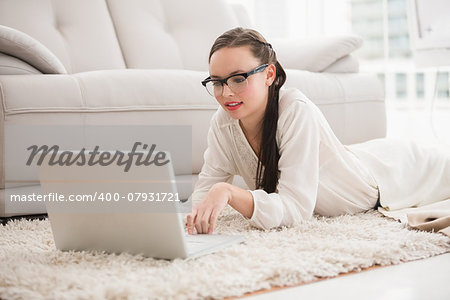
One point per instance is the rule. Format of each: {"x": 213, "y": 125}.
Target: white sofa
{"x": 103, "y": 62}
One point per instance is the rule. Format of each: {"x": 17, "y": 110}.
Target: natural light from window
{"x": 417, "y": 99}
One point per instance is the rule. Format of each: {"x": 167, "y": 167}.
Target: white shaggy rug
{"x": 31, "y": 267}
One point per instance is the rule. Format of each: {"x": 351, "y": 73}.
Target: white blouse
{"x": 317, "y": 173}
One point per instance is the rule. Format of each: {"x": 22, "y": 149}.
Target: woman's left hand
{"x": 205, "y": 214}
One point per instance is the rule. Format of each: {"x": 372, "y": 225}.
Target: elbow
{"x": 274, "y": 212}
{"x": 296, "y": 215}
{"x": 287, "y": 221}
{"x": 265, "y": 221}
{"x": 264, "y": 225}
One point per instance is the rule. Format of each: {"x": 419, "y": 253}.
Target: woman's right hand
{"x": 205, "y": 214}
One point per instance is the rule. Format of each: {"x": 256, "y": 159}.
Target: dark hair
{"x": 268, "y": 155}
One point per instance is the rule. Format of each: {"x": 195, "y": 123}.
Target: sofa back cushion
{"x": 169, "y": 33}
{"x": 79, "y": 32}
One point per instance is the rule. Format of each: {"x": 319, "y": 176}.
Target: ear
{"x": 271, "y": 74}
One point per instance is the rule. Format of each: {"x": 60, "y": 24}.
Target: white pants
{"x": 408, "y": 174}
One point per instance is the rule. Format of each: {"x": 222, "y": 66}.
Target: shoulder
{"x": 288, "y": 96}
{"x": 293, "y": 105}
{"x": 299, "y": 120}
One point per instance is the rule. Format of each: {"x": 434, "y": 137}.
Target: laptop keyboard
{"x": 197, "y": 242}
{"x": 206, "y": 243}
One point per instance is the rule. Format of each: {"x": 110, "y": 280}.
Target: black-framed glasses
{"x": 236, "y": 82}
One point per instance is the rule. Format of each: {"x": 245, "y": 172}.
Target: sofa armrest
{"x": 22, "y": 46}
{"x": 353, "y": 103}
{"x": 314, "y": 55}
{"x": 10, "y": 65}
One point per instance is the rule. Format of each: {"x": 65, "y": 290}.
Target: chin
{"x": 235, "y": 116}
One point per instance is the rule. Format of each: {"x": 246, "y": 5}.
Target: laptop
{"x": 118, "y": 219}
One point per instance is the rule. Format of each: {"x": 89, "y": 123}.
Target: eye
{"x": 237, "y": 79}
{"x": 216, "y": 83}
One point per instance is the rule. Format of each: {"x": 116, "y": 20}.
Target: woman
{"x": 285, "y": 150}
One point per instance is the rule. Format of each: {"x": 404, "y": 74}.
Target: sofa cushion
{"x": 18, "y": 44}
{"x": 346, "y": 64}
{"x": 144, "y": 35}
{"x": 242, "y": 15}
{"x": 160, "y": 34}
{"x": 80, "y": 33}
{"x": 10, "y": 65}
{"x": 315, "y": 54}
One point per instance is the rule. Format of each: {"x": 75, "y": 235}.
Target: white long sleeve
{"x": 317, "y": 173}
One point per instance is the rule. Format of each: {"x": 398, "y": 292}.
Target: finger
{"x": 190, "y": 221}
{"x": 204, "y": 221}
{"x": 190, "y": 217}
{"x": 188, "y": 227}
{"x": 212, "y": 220}
{"x": 197, "y": 221}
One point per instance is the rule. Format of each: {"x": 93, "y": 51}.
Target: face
{"x": 249, "y": 105}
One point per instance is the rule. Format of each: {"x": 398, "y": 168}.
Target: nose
{"x": 226, "y": 91}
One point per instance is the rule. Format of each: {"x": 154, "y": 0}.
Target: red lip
{"x": 234, "y": 105}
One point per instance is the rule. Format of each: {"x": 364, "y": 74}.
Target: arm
{"x": 217, "y": 166}
{"x": 205, "y": 214}
{"x": 297, "y": 186}
{"x": 239, "y": 199}
{"x": 209, "y": 196}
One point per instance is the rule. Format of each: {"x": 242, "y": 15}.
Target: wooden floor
{"x": 414, "y": 280}
{"x": 303, "y": 283}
